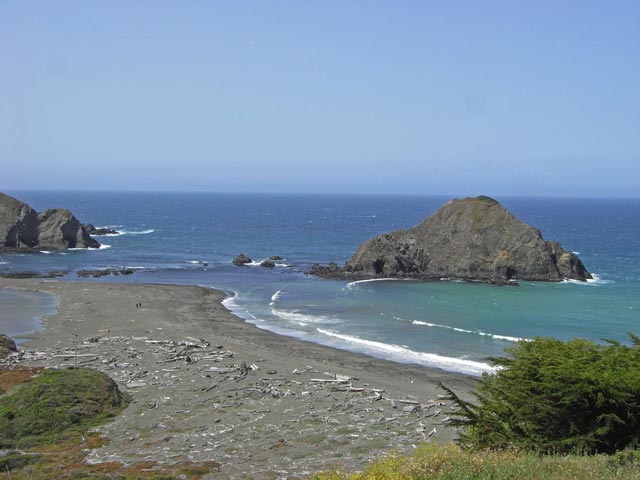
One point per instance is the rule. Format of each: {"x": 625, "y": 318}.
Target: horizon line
{"x": 325, "y": 194}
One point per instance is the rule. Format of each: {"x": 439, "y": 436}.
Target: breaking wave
{"x": 275, "y": 297}
{"x": 475, "y": 332}
{"x": 103, "y": 246}
{"x": 401, "y": 354}
{"x": 138, "y": 232}
{"x": 595, "y": 281}
{"x": 303, "y": 319}
{"x": 358, "y": 282}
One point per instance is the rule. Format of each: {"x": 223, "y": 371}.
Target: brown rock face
{"x": 59, "y": 229}
{"x": 22, "y": 228}
{"x": 473, "y": 239}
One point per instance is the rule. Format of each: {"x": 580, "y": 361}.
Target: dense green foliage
{"x": 449, "y": 462}
{"x": 551, "y": 396}
{"x": 54, "y": 402}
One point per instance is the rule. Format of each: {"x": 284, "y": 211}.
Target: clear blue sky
{"x": 460, "y": 97}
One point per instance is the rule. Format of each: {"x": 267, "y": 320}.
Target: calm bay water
{"x": 21, "y": 312}
{"x": 169, "y": 237}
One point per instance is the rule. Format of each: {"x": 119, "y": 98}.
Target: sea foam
{"x": 595, "y": 281}
{"x": 230, "y": 303}
{"x": 103, "y": 246}
{"x": 404, "y": 355}
{"x": 275, "y": 297}
{"x": 369, "y": 280}
{"x": 137, "y": 232}
{"x": 302, "y": 319}
{"x": 475, "y": 332}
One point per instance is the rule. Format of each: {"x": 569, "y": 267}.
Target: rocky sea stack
{"x": 24, "y": 229}
{"x": 473, "y": 239}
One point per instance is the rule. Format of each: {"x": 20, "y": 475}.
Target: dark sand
{"x": 182, "y": 356}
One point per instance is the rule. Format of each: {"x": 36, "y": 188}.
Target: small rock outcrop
{"x": 473, "y": 239}
{"x": 104, "y": 272}
{"x": 92, "y": 230}
{"x": 23, "y": 229}
{"x": 241, "y": 260}
{"x": 268, "y": 263}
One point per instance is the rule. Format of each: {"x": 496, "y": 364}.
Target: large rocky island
{"x": 24, "y": 229}
{"x": 473, "y": 239}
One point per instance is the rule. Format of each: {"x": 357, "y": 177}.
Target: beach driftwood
{"x": 214, "y": 390}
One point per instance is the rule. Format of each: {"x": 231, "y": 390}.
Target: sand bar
{"x": 209, "y": 386}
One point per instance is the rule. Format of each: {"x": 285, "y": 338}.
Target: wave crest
{"x": 369, "y": 280}
{"x": 475, "y": 332}
{"x": 595, "y": 281}
{"x": 275, "y": 297}
{"x": 302, "y": 318}
{"x": 404, "y": 355}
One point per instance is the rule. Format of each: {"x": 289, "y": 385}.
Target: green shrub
{"x": 55, "y": 401}
{"x": 553, "y": 397}
{"x": 14, "y": 461}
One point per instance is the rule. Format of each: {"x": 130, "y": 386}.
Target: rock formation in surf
{"x": 24, "y": 229}
{"x": 473, "y": 239}
{"x": 242, "y": 260}
{"x": 92, "y": 230}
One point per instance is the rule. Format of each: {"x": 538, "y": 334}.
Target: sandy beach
{"x": 208, "y": 386}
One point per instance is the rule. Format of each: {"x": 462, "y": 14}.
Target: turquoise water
{"x": 169, "y": 238}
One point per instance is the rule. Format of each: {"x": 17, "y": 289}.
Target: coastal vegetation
{"x": 46, "y": 417}
{"x": 552, "y": 410}
{"x": 550, "y": 396}
{"x": 56, "y": 403}
{"x": 451, "y": 462}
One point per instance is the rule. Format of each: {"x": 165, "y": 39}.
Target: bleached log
{"x": 323, "y": 380}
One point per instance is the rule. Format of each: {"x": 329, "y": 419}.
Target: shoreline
{"x": 23, "y": 312}
{"x": 208, "y": 385}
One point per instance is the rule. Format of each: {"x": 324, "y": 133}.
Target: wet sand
{"x": 208, "y": 386}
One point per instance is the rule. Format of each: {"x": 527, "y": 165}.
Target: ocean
{"x": 191, "y": 238}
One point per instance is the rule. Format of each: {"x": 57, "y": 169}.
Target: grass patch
{"x": 450, "y": 462}
{"x": 48, "y": 418}
{"x": 55, "y": 403}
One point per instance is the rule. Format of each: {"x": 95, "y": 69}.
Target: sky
{"x": 394, "y": 97}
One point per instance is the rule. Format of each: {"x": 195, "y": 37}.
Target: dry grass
{"x": 449, "y": 462}
{"x": 15, "y": 375}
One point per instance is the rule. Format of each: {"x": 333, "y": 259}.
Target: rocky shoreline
{"x": 208, "y": 386}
